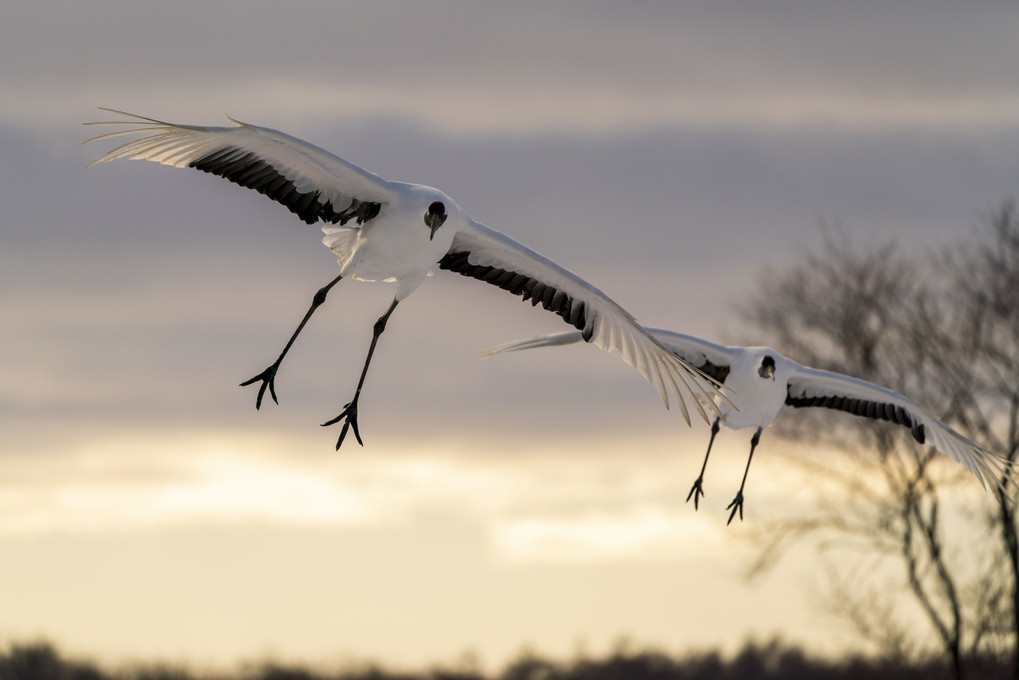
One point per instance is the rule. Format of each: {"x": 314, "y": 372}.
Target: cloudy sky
{"x": 670, "y": 153}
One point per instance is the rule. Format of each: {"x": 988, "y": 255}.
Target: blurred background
{"x": 690, "y": 159}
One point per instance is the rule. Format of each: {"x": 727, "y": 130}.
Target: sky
{"x": 670, "y": 153}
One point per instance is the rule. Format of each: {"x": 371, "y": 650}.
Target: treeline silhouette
{"x": 772, "y": 661}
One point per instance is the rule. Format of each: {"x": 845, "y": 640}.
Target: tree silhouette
{"x": 771, "y": 661}
{"x": 945, "y": 331}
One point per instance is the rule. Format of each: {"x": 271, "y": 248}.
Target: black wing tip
{"x": 528, "y": 288}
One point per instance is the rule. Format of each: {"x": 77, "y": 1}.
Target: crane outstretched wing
{"x": 495, "y": 258}
{"x": 814, "y": 387}
{"x": 312, "y": 183}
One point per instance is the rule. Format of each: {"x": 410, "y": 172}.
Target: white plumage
{"x": 383, "y": 230}
{"x": 761, "y": 381}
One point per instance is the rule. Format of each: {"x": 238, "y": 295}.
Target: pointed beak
{"x": 767, "y": 372}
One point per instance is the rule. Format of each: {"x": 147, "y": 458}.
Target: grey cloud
{"x": 735, "y": 55}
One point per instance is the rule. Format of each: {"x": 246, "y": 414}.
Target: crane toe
{"x": 695, "y": 492}
{"x": 268, "y": 378}
{"x": 349, "y": 416}
{"x": 736, "y": 505}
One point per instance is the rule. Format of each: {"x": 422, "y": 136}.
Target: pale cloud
{"x": 639, "y": 533}
{"x": 134, "y": 484}
{"x": 474, "y": 109}
{"x": 524, "y": 108}
{"x": 534, "y": 501}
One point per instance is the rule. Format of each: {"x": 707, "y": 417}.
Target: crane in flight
{"x": 762, "y": 381}
{"x": 395, "y": 231}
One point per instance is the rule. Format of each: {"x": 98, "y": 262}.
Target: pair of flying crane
{"x": 385, "y": 230}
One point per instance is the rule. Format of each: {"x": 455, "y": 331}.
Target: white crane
{"x": 762, "y": 381}
{"x": 393, "y": 231}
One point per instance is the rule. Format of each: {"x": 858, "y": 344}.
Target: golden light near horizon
{"x": 138, "y": 481}
{"x": 526, "y": 527}
{"x": 504, "y": 517}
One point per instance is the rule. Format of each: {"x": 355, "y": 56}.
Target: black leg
{"x": 268, "y": 376}
{"x": 737, "y": 502}
{"x": 696, "y": 491}
{"x": 350, "y": 408}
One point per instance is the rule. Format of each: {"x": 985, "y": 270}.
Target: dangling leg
{"x": 696, "y": 491}
{"x": 350, "y": 408}
{"x": 737, "y": 502}
{"x": 268, "y": 376}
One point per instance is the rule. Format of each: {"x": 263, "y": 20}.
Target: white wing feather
{"x": 612, "y": 328}
{"x": 691, "y": 349}
{"x": 550, "y": 340}
{"x": 696, "y": 350}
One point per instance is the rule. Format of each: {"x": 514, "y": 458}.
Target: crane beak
{"x": 767, "y": 372}
{"x": 434, "y": 225}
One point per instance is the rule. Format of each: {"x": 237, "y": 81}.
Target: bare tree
{"x": 985, "y": 278}
{"x": 945, "y": 331}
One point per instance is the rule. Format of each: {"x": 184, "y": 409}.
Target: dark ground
{"x": 772, "y": 661}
